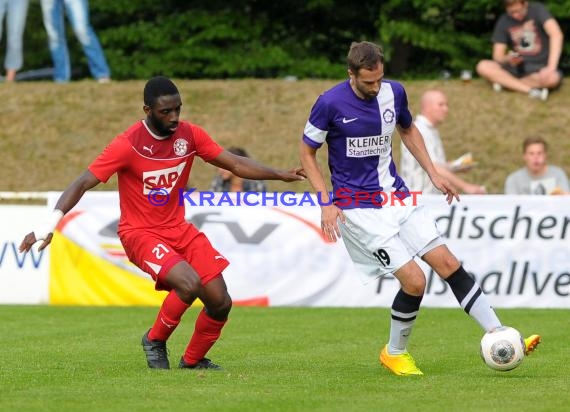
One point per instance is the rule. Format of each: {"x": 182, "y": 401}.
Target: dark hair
{"x": 156, "y": 87}
{"x": 508, "y": 3}
{"x": 238, "y": 151}
{"x": 364, "y": 55}
{"x": 534, "y": 140}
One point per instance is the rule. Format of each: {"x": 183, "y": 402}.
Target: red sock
{"x": 168, "y": 318}
{"x": 206, "y": 333}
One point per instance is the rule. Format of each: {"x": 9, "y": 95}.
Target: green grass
{"x": 274, "y": 359}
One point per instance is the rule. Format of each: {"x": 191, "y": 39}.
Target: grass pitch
{"x": 274, "y": 359}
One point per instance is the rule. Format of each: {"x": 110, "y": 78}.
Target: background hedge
{"x": 266, "y": 39}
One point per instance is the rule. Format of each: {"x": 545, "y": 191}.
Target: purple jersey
{"x": 359, "y": 137}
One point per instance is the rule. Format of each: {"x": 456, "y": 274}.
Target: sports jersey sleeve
{"x": 401, "y": 104}
{"x": 113, "y": 158}
{"x": 206, "y": 147}
{"x": 316, "y": 129}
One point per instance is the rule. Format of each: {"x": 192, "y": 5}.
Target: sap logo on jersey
{"x": 163, "y": 178}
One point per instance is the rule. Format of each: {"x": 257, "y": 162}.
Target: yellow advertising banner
{"x": 79, "y": 277}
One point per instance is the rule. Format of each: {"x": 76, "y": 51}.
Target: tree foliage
{"x": 302, "y": 38}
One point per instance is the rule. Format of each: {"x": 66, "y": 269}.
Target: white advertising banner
{"x": 23, "y": 277}
{"x": 515, "y": 246}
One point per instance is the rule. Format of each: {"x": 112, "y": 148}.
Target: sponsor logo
{"x": 345, "y": 120}
{"x": 368, "y": 146}
{"x": 162, "y": 180}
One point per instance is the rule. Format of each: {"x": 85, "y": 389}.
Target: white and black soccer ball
{"x": 503, "y": 348}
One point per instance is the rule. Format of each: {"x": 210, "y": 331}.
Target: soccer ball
{"x": 503, "y": 348}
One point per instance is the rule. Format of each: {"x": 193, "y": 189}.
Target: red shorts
{"x": 157, "y": 251}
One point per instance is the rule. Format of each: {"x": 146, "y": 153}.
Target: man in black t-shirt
{"x": 527, "y": 44}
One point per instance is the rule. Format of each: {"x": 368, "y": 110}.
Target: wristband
{"x": 49, "y": 226}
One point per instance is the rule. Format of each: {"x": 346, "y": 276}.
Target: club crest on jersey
{"x": 388, "y": 115}
{"x": 162, "y": 179}
{"x": 180, "y": 147}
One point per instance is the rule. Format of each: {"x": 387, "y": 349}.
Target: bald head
{"x": 433, "y": 105}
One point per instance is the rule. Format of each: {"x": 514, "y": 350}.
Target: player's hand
{"x": 45, "y": 232}
{"x": 30, "y": 239}
{"x": 329, "y": 222}
{"x": 446, "y": 188}
{"x": 293, "y": 175}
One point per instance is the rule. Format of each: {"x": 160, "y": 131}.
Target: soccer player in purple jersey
{"x": 357, "y": 119}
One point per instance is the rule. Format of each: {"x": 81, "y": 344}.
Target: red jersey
{"x": 152, "y": 171}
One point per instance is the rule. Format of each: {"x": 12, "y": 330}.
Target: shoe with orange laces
{"x": 531, "y": 343}
{"x": 402, "y": 364}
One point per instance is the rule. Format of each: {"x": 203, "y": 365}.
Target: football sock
{"x": 206, "y": 333}
{"x": 404, "y": 311}
{"x": 472, "y": 299}
{"x": 168, "y": 317}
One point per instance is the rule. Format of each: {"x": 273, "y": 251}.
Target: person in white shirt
{"x": 433, "y": 111}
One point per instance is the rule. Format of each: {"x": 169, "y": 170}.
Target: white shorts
{"x": 380, "y": 241}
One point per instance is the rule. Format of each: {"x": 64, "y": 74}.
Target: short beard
{"x": 162, "y": 131}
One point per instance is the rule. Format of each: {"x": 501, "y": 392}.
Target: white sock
{"x": 472, "y": 299}
{"x": 399, "y": 335}
{"x": 478, "y": 307}
{"x": 404, "y": 310}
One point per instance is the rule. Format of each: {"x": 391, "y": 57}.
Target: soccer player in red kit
{"x": 153, "y": 159}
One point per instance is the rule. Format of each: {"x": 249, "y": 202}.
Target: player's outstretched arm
{"x": 247, "y": 168}
{"x": 65, "y": 203}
